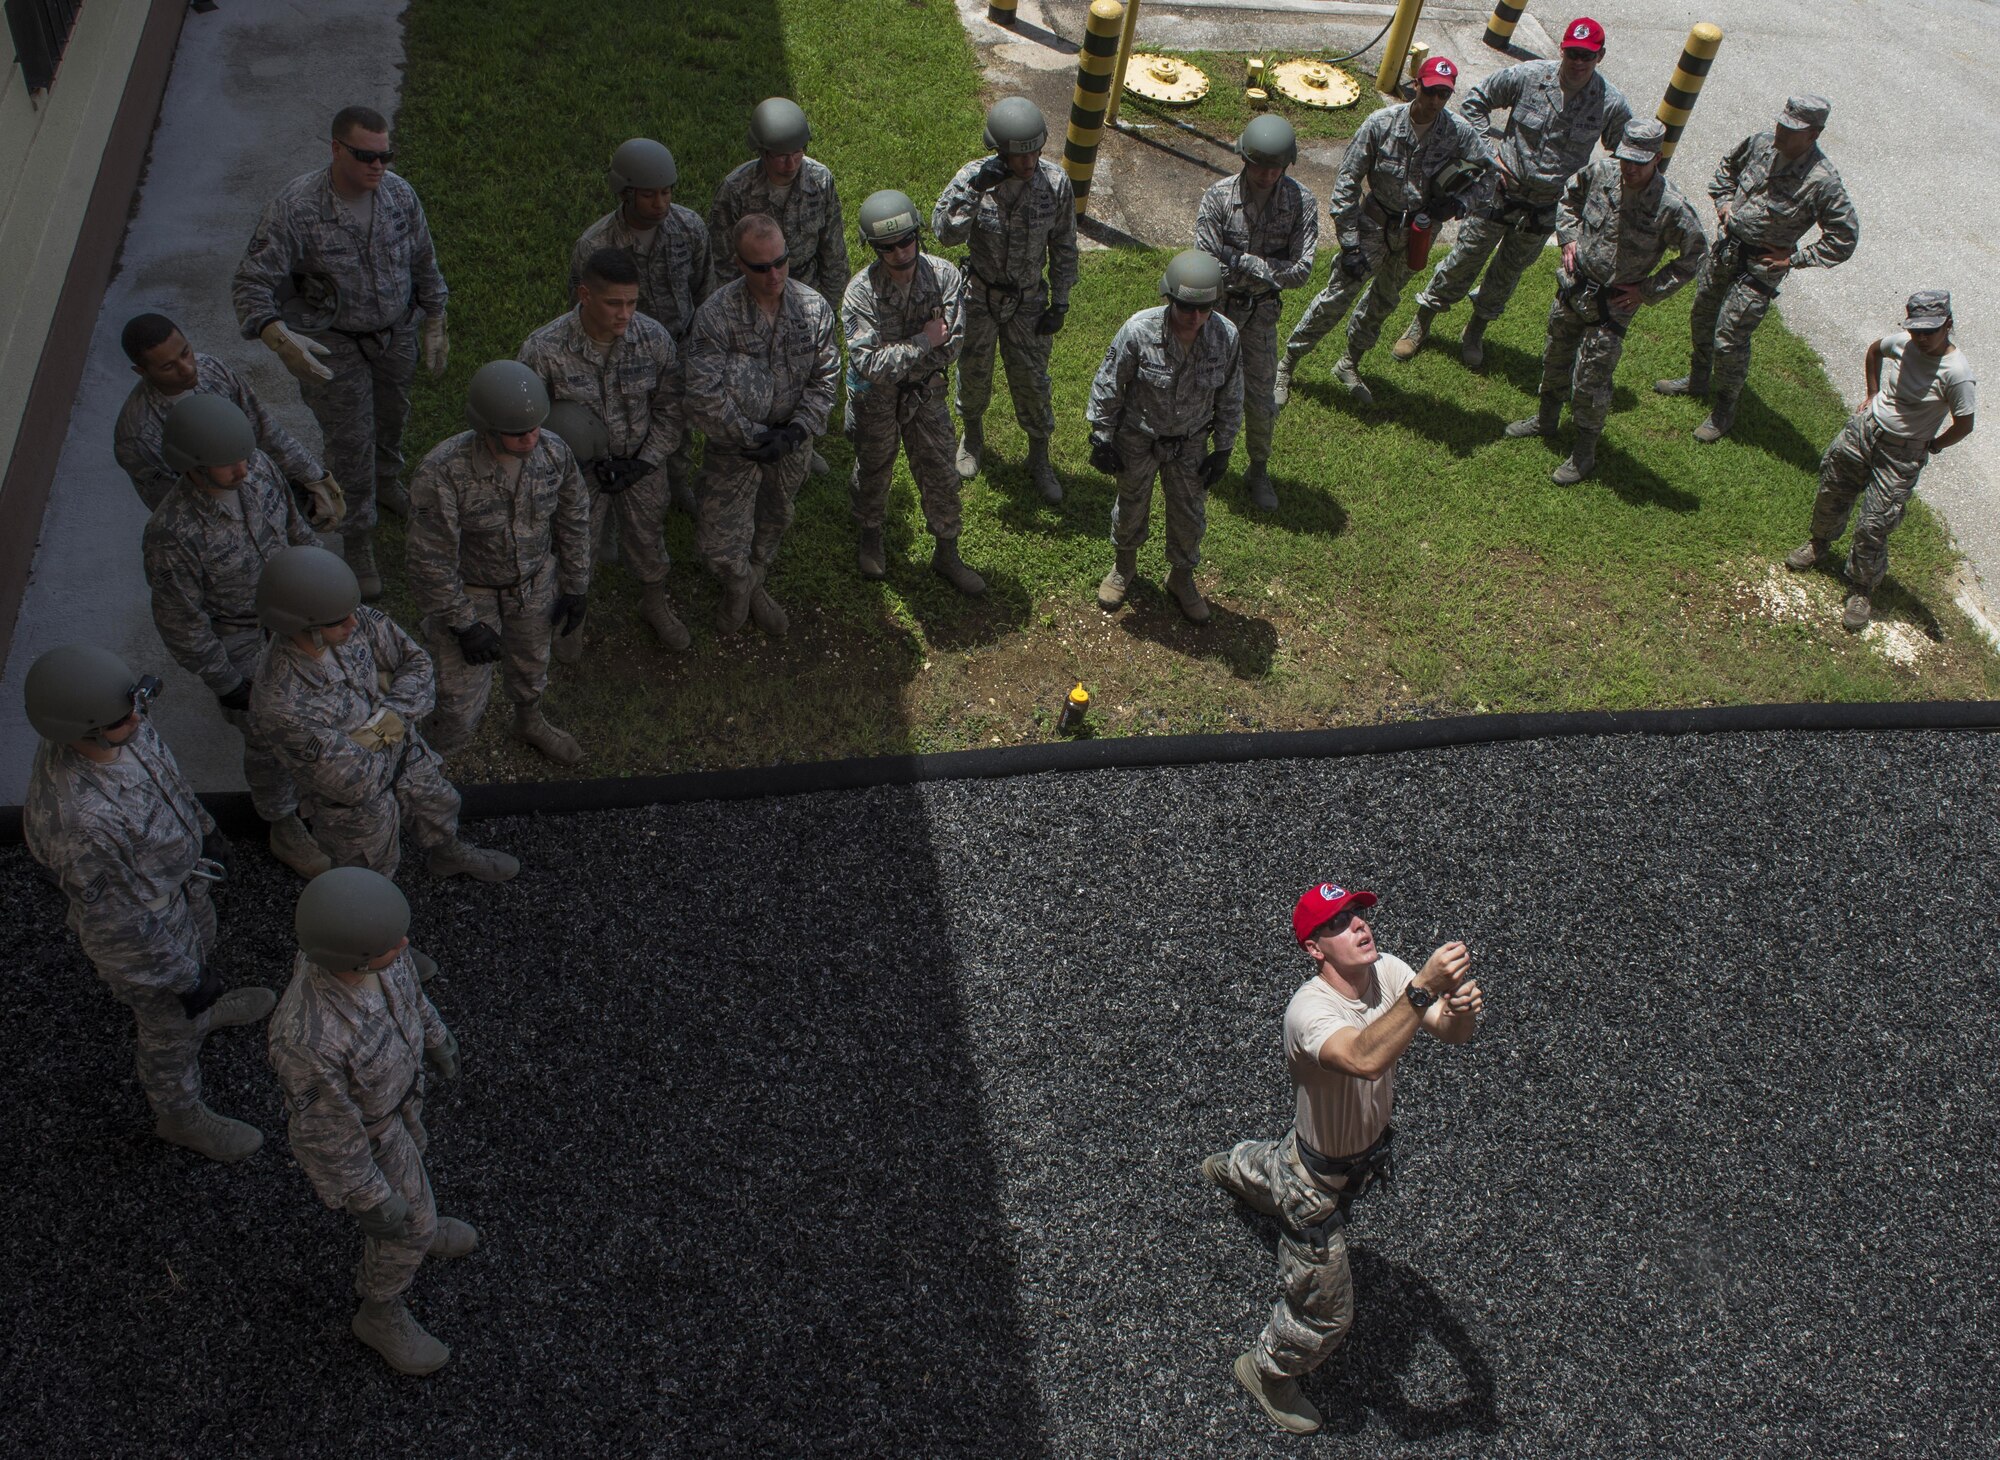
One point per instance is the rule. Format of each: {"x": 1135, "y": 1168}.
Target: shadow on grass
{"x": 1438, "y": 418}
{"x": 1891, "y": 599}
{"x": 1521, "y": 369}
{"x": 1757, "y": 425}
{"x": 1640, "y": 485}
{"x": 1242, "y": 644}
{"x": 1303, "y": 506}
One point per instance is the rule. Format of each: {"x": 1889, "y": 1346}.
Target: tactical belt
{"x": 1375, "y": 1166}
{"x": 1513, "y": 212}
{"x": 1737, "y": 260}
{"x": 1383, "y": 216}
{"x": 1585, "y": 295}
{"x": 1251, "y": 297}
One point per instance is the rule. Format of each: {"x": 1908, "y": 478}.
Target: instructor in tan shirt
{"x": 1345, "y": 1029}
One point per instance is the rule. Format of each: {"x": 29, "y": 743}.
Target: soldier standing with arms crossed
{"x": 341, "y": 282}
{"x": 1017, "y": 214}
{"x": 1264, "y": 227}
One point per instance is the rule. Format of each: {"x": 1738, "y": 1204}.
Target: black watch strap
{"x": 1420, "y": 998}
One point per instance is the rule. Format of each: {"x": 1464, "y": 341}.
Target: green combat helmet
{"x": 76, "y": 690}
{"x": 887, "y": 216}
{"x": 206, "y": 430}
{"x": 641, "y": 163}
{"x": 305, "y": 588}
{"x": 580, "y": 428}
{"x": 1015, "y": 125}
{"x": 349, "y": 917}
{"x": 506, "y": 398}
{"x": 1269, "y": 141}
{"x": 777, "y": 125}
{"x": 1192, "y": 277}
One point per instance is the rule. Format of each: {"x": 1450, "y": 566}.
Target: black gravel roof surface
{"x": 866, "y": 1123}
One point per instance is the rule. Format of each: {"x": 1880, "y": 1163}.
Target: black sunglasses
{"x": 1183, "y": 307}
{"x": 363, "y": 155}
{"x": 777, "y": 263}
{"x": 891, "y": 245}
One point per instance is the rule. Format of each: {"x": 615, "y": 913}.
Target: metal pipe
{"x": 1389, "y": 79}
{"x": 1124, "y": 60}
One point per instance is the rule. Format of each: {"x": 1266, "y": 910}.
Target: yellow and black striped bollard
{"x": 1094, "y": 66}
{"x": 1696, "y": 57}
{"x": 1001, "y": 12}
{"x": 1500, "y": 29}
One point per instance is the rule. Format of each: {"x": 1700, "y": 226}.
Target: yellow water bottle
{"x": 1076, "y": 704}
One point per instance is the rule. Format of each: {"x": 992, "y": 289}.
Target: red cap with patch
{"x": 1437, "y": 71}
{"x": 1584, "y": 34}
{"x": 1320, "y": 905}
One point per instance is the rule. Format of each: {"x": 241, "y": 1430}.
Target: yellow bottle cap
{"x": 1079, "y": 696}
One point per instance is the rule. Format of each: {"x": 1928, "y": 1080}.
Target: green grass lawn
{"x": 1419, "y": 565}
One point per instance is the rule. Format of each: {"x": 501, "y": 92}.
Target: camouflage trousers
{"x": 1728, "y": 307}
{"x": 1384, "y": 284}
{"x": 641, "y": 514}
{"x": 743, "y": 509}
{"x": 1256, "y": 322}
{"x": 169, "y": 1043}
{"x": 1867, "y": 462}
{"x": 361, "y": 412}
{"x": 389, "y": 1264}
{"x": 1179, "y": 471}
{"x": 1315, "y": 1304}
{"x": 1512, "y": 249}
{"x": 272, "y": 790}
{"x": 1579, "y": 360}
{"x": 1002, "y": 326}
{"x": 875, "y": 428}
{"x": 369, "y": 834}
{"x": 521, "y": 616}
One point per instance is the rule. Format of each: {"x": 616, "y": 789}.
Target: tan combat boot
{"x": 531, "y": 729}
{"x": 1180, "y": 583}
{"x": 769, "y": 614}
{"x": 1347, "y": 372}
{"x": 1806, "y": 554}
{"x": 946, "y": 563}
{"x": 1472, "y": 344}
{"x": 458, "y": 857}
{"x": 1118, "y": 582}
{"x": 1042, "y": 471}
{"x": 1582, "y": 460}
{"x": 386, "y": 1326}
{"x": 1279, "y": 1398}
{"x": 241, "y": 1006}
{"x": 204, "y": 1132}
{"x": 1414, "y": 337}
{"x": 453, "y": 1238}
{"x": 660, "y": 617}
{"x": 971, "y": 447}
{"x": 293, "y": 845}
{"x": 869, "y": 558}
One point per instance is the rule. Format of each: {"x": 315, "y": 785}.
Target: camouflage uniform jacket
{"x": 203, "y": 561}
{"x": 1772, "y": 202}
{"x": 1620, "y": 238}
{"x": 745, "y": 371}
{"x": 635, "y": 387}
{"x": 1399, "y": 174}
{"x": 1008, "y": 246}
{"x": 306, "y": 706}
{"x": 673, "y": 271}
{"x": 347, "y": 1071}
{"x": 468, "y": 527}
{"x": 122, "y": 839}
{"x": 815, "y": 232}
{"x": 141, "y": 426}
{"x": 885, "y": 325}
{"x": 1148, "y": 383}
{"x": 1272, "y": 252}
{"x": 378, "y": 274}
{"x": 1549, "y": 137}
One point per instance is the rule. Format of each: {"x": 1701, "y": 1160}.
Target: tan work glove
{"x": 301, "y": 355}
{"x": 384, "y": 731}
{"x": 326, "y": 503}
{"x": 436, "y": 347}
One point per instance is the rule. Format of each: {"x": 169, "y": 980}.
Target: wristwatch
{"x": 1420, "y": 998}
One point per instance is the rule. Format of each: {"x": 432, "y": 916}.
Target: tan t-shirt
{"x": 1921, "y": 392}
{"x": 1338, "y": 1114}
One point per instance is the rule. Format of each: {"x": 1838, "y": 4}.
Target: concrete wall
{"x": 70, "y": 158}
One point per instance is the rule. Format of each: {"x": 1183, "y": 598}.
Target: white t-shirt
{"x": 1920, "y": 392}
{"x": 1338, "y": 1114}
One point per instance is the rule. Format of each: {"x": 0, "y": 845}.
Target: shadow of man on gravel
{"x": 1397, "y": 1312}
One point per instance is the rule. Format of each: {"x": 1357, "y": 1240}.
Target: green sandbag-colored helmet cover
{"x": 206, "y": 430}
{"x": 1192, "y": 277}
{"x": 304, "y": 588}
{"x": 1269, "y": 141}
{"x": 349, "y": 917}
{"x": 1014, "y": 124}
{"x": 506, "y": 397}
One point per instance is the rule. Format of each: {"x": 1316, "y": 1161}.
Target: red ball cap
{"x": 1438, "y": 71}
{"x": 1584, "y": 34}
{"x": 1320, "y": 905}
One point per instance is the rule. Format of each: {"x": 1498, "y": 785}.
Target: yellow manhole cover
{"x": 1165, "y": 78}
{"x": 1315, "y": 83}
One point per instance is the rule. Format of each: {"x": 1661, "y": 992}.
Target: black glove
{"x": 777, "y": 442}
{"x": 1051, "y": 320}
{"x": 1213, "y": 466}
{"x": 1446, "y": 209}
{"x": 992, "y": 172}
{"x": 390, "y": 1220}
{"x": 568, "y": 612}
{"x": 215, "y": 848}
{"x": 1104, "y": 456}
{"x": 1354, "y": 263}
{"x": 202, "y": 994}
{"x": 615, "y": 473}
{"x": 480, "y": 644}
{"x": 237, "y": 699}
{"x": 442, "y": 1059}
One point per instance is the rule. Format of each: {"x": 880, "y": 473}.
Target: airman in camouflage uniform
{"x": 337, "y": 280}
{"x": 1767, "y": 193}
{"x": 353, "y": 1043}
{"x": 619, "y": 365}
{"x": 1264, "y": 227}
{"x": 499, "y": 550}
{"x": 905, "y": 321}
{"x": 1557, "y": 112}
{"x": 109, "y": 813}
{"x": 1167, "y": 402}
{"x": 1619, "y": 218}
{"x": 203, "y": 550}
{"x": 169, "y": 369}
{"x": 1419, "y": 162}
{"x": 762, "y": 369}
{"x": 1016, "y": 213}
